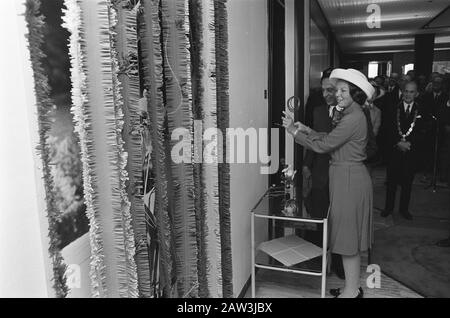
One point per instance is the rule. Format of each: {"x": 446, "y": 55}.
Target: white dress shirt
{"x": 408, "y": 107}
{"x": 331, "y": 110}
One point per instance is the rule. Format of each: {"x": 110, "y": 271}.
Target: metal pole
{"x": 324, "y": 256}
{"x": 282, "y": 218}
{"x": 433, "y": 184}
{"x": 287, "y": 270}
{"x": 436, "y": 139}
{"x": 252, "y": 226}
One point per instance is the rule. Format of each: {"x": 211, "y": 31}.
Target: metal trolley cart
{"x": 269, "y": 208}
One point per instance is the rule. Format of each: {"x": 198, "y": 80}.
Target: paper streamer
{"x": 44, "y": 106}
{"x": 98, "y": 116}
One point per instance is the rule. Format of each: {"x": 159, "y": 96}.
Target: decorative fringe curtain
{"x": 183, "y": 50}
{"x": 98, "y": 113}
{"x": 44, "y": 105}
{"x": 196, "y": 26}
{"x": 127, "y": 52}
{"x": 182, "y": 58}
{"x": 150, "y": 34}
{"x": 82, "y": 117}
{"x": 204, "y": 76}
{"x": 123, "y": 230}
{"x": 178, "y": 105}
{"x": 223, "y": 122}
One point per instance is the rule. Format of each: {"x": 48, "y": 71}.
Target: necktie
{"x": 333, "y": 111}
{"x": 408, "y": 109}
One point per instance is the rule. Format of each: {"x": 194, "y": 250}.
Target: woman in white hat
{"x": 351, "y": 192}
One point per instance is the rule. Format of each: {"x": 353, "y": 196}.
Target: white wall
{"x": 24, "y": 270}
{"x": 248, "y": 65}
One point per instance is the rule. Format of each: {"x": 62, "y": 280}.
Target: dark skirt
{"x": 351, "y": 207}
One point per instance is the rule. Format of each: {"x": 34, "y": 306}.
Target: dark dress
{"x": 351, "y": 192}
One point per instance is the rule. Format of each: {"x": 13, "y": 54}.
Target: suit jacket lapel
{"x": 413, "y": 111}
{"x": 401, "y": 107}
{"x": 322, "y": 120}
{"x": 443, "y": 99}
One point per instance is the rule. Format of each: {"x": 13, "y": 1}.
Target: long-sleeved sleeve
{"x": 326, "y": 143}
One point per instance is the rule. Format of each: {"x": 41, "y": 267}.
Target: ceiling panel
{"x": 400, "y": 21}
{"x": 441, "y": 21}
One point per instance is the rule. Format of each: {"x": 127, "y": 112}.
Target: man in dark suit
{"x": 395, "y": 95}
{"x": 387, "y": 105}
{"x": 406, "y": 139}
{"x": 392, "y": 82}
{"x": 433, "y": 103}
{"x": 316, "y": 166}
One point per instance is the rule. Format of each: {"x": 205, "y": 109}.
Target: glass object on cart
{"x": 289, "y": 204}
{"x": 287, "y": 246}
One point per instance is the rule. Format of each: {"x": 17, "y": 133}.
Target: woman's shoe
{"x": 360, "y": 293}
{"x": 336, "y": 292}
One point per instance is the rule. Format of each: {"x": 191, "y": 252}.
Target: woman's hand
{"x": 288, "y": 123}
{"x": 302, "y": 128}
{"x": 292, "y": 127}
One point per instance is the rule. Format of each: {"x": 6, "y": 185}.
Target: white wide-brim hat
{"x": 355, "y": 77}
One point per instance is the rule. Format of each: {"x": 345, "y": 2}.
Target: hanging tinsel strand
{"x": 36, "y": 25}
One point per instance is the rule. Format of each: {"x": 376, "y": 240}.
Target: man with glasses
{"x": 316, "y": 166}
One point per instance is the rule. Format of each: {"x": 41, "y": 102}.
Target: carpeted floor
{"x": 424, "y": 202}
{"x": 406, "y": 250}
{"x": 410, "y": 256}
